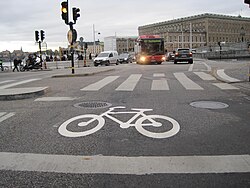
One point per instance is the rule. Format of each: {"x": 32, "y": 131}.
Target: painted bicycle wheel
{"x": 142, "y": 123}
{"x": 91, "y": 118}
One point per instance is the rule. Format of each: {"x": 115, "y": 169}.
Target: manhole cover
{"x": 209, "y": 104}
{"x": 92, "y": 104}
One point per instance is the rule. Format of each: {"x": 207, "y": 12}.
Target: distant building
{"x": 120, "y": 44}
{"x": 200, "y": 30}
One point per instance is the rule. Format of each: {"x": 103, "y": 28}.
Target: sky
{"x": 19, "y": 19}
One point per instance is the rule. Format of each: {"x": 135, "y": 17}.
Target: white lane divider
{"x": 140, "y": 165}
{"x": 6, "y": 81}
{"x": 225, "y": 77}
{"x": 19, "y": 83}
{"x": 5, "y": 115}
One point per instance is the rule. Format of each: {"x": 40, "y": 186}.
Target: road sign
{"x": 72, "y": 35}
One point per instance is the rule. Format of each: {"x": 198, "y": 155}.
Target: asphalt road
{"x": 43, "y": 146}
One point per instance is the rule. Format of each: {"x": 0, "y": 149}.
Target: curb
{"x": 22, "y": 93}
{"x": 80, "y": 75}
{"x": 214, "y": 72}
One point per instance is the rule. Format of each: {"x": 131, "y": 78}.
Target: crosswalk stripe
{"x": 6, "y": 81}
{"x": 161, "y": 85}
{"x": 4, "y": 117}
{"x": 204, "y": 76}
{"x": 138, "y": 165}
{"x": 186, "y": 82}
{"x": 160, "y": 75}
{"x": 130, "y": 83}
{"x": 225, "y": 86}
{"x": 51, "y": 99}
{"x": 100, "y": 84}
{"x": 19, "y": 83}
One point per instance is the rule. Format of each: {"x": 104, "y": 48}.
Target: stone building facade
{"x": 204, "y": 30}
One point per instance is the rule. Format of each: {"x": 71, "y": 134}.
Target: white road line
{"x": 225, "y": 77}
{"x": 191, "y": 67}
{"x": 51, "y": 99}
{"x": 2, "y": 118}
{"x": 6, "y": 81}
{"x": 159, "y": 75}
{"x": 124, "y": 165}
{"x": 204, "y": 76}
{"x": 2, "y": 113}
{"x": 19, "y": 83}
{"x": 130, "y": 83}
{"x": 208, "y": 67}
{"x": 160, "y": 85}
{"x": 100, "y": 84}
{"x": 225, "y": 86}
{"x": 186, "y": 82}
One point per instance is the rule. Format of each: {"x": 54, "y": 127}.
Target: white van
{"x": 106, "y": 58}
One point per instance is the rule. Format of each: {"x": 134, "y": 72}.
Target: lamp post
{"x": 94, "y": 32}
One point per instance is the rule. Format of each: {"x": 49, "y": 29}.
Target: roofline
{"x": 195, "y": 17}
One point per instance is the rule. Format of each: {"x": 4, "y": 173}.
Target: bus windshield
{"x": 152, "y": 46}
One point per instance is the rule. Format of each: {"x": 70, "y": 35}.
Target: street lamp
{"x": 94, "y": 32}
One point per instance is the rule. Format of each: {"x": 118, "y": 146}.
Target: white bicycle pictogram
{"x": 140, "y": 123}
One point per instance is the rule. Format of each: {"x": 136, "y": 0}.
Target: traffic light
{"x": 37, "y": 36}
{"x": 65, "y": 13}
{"x": 76, "y": 13}
{"x": 42, "y": 35}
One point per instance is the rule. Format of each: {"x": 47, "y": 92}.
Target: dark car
{"x": 183, "y": 54}
{"x": 125, "y": 58}
{"x": 170, "y": 56}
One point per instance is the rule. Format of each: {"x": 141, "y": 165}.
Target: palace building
{"x": 204, "y": 30}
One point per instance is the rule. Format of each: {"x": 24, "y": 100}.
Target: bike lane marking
{"x": 100, "y": 84}
{"x": 140, "y": 165}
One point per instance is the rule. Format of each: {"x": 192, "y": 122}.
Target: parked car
{"x": 170, "y": 56}
{"x": 183, "y": 54}
{"x": 106, "y": 58}
{"x": 125, "y": 58}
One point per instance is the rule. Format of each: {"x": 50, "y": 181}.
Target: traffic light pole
{"x": 72, "y": 50}
{"x": 40, "y": 49}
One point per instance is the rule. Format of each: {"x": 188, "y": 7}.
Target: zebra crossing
{"x": 160, "y": 82}
{"x": 5, "y": 115}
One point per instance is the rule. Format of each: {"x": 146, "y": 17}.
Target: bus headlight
{"x": 163, "y": 58}
{"x": 143, "y": 58}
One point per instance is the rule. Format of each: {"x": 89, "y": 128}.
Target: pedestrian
{"x": 90, "y": 56}
{"x": 16, "y": 65}
{"x": 1, "y": 65}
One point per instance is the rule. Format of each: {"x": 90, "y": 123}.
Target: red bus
{"x": 150, "y": 49}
